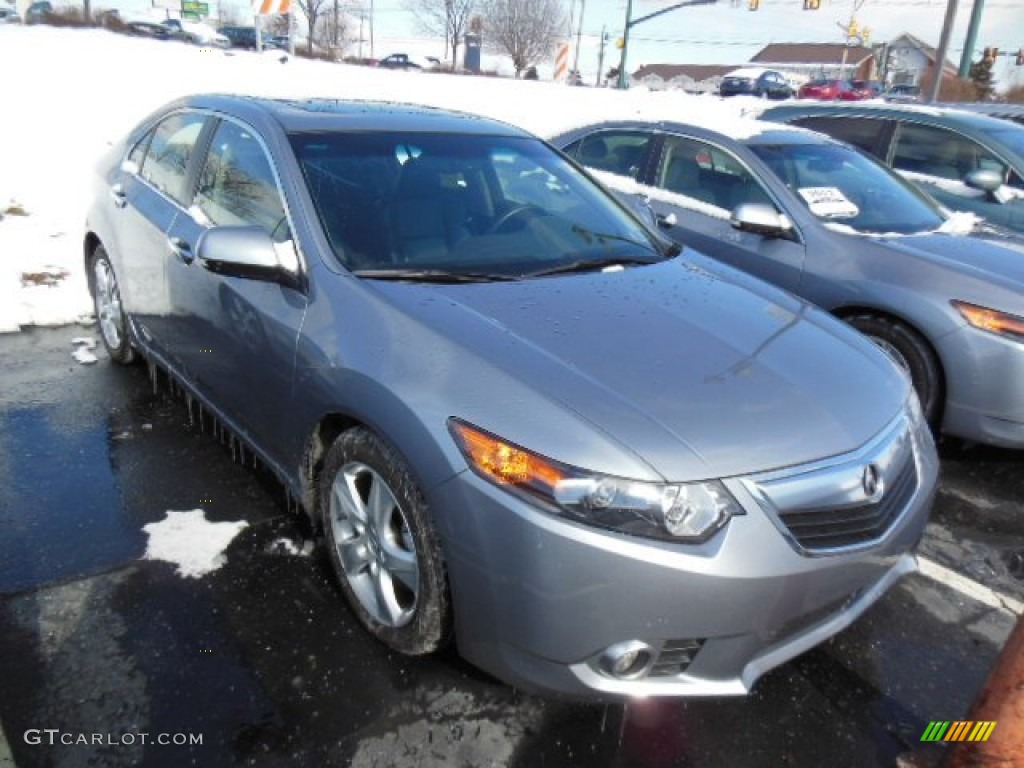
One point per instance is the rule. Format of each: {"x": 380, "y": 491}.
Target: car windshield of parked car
{"x": 840, "y": 185}
{"x": 471, "y": 205}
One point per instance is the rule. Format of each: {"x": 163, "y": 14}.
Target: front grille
{"x": 835, "y": 528}
{"x": 675, "y": 657}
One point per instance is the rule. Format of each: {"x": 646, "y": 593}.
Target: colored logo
{"x": 958, "y": 730}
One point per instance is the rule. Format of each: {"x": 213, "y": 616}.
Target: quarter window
{"x": 237, "y": 185}
{"x": 166, "y": 161}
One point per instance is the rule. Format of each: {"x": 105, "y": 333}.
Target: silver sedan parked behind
{"x": 943, "y": 296}
{"x": 520, "y": 419}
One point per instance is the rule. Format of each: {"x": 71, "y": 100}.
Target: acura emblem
{"x": 872, "y": 483}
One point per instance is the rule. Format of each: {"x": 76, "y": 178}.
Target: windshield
{"x": 423, "y": 205}
{"x": 839, "y": 184}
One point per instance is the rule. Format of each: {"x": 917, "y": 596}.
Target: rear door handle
{"x": 181, "y": 249}
{"x": 118, "y": 196}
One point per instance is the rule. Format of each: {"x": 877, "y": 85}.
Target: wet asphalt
{"x": 263, "y": 662}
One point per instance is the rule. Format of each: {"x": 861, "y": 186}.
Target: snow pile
{"x": 191, "y": 542}
{"x": 83, "y": 350}
{"x": 285, "y": 546}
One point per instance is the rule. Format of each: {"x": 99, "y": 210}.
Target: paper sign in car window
{"x": 828, "y": 202}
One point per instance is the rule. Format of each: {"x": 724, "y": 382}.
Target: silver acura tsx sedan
{"x": 602, "y": 465}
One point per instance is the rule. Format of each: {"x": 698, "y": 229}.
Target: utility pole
{"x": 940, "y": 53}
{"x": 579, "y": 34}
{"x": 600, "y": 57}
{"x": 971, "y": 39}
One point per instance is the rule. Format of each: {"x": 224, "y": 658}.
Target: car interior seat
{"x": 428, "y": 212}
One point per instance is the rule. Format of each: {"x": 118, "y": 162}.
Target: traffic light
{"x": 865, "y": 35}
{"x": 812, "y": 5}
{"x": 995, "y": 53}
{"x": 753, "y": 5}
{"x": 1020, "y": 57}
{"x": 620, "y": 43}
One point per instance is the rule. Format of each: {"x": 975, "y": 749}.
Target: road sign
{"x": 194, "y": 9}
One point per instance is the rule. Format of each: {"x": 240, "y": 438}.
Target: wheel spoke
{"x": 401, "y": 565}
{"x": 380, "y": 505}
{"x": 349, "y": 504}
{"x": 383, "y": 591}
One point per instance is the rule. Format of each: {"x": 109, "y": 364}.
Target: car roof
{"x": 928, "y": 113}
{"x": 744, "y": 131}
{"x": 316, "y": 115}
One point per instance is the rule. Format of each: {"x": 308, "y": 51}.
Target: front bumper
{"x": 984, "y": 394}
{"x": 539, "y": 600}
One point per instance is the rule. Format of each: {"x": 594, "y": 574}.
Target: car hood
{"x": 982, "y": 254}
{"x": 700, "y": 374}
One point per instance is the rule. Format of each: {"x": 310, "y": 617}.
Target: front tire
{"x": 910, "y": 352}
{"x": 382, "y": 544}
{"x": 106, "y": 296}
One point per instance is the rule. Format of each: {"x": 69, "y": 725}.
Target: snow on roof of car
{"x": 751, "y": 72}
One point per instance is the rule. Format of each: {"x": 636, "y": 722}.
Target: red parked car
{"x": 830, "y": 90}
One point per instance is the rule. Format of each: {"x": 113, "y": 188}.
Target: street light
{"x": 630, "y": 22}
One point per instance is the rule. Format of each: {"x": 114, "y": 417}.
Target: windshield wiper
{"x": 589, "y": 265}
{"x": 431, "y": 276}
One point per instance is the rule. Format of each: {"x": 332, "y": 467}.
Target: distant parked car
{"x": 903, "y": 93}
{"x": 38, "y": 11}
{"x": 838, "y": 228}
{"x": 8, "y": 15}
{"x": 519, "y": 418}
{"x": 966, "y": 161}
{"x": 829, "y": 90}
{"x": 753, "y": 81}
{"x": 240, "y": 37}
{"x": 407, "y": 62}
{"x": 866, "y": 89}
{"x": 196, "y": 33}
{"x": 149, "y": 29}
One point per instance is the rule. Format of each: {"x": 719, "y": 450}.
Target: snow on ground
{"x": 191, "y": 542}
{"x": 69, "y": 93}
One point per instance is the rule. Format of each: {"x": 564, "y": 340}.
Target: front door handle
{"x": 180, "y": 248}
{"x": 666, "y": 220}
{"x": 118, "y": 196}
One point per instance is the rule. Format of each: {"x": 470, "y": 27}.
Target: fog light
{"x": 627, "y": 661}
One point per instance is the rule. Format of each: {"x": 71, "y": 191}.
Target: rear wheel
{"x": 911, "y": 352}
{"x": 382, "y": 544}
{"x": 109, "y": 312}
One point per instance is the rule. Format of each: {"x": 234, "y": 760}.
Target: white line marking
{"x": 6, "y": 759}
{"x": 971, "y": 589}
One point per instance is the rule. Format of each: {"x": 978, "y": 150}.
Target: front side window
{"x": 700, "y": 171}
{"x": 462, "y": 204}
{"x": 166, "y": 162}
{"x": 619, "y": 152}
{"x": 841, "y": 185}
{"x": 937, "y": 152}
{"x": 237, "y": 186}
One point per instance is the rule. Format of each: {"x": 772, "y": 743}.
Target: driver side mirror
{"x": 246, "y": 252}
{"x": 761, "y": 219}
{"x": 987, "y": 180}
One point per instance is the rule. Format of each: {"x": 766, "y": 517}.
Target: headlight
{"x": 992, "y": 320}
{"x": 670, "y": 511}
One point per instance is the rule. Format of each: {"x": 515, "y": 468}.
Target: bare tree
{"x": 447, "y": 18}
{"x": 524, "y": 29}
{"x": 312, "y": 10}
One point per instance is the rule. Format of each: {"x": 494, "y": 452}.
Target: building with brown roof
{"x": 693, "y": 78}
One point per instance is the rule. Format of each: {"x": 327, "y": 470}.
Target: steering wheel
{"x": 525, "y": 209}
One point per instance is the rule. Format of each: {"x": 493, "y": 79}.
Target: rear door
{"x": 149, "y": 196}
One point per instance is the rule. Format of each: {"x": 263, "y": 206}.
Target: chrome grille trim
{"x": 825, "y": 508}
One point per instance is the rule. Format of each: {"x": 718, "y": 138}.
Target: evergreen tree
{"x": 981, "y": 75}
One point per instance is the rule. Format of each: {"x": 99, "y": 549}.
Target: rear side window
{"x": 619, "y": 152}
{"x": 861, "y": 133}
{"x": 166, "y": 161}
{"x": 237, "y": 185}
